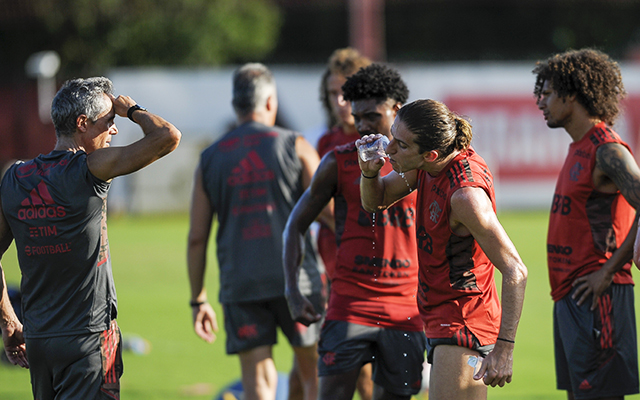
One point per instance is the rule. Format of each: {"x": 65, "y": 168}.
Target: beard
{"x": 556, "y": 123}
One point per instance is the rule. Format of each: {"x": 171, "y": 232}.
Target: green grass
{"x": 148, "y": 255}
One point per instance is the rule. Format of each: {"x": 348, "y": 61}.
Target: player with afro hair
{"x": 591, "y": 75}
{"x": 377, "y": 81}
{"x": 594, "y": 217}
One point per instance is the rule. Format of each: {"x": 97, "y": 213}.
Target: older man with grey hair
{"x": 55, "y": 207}
{"x": 250, "y": 180}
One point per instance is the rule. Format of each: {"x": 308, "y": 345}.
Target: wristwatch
{"x": 133, "y": 108}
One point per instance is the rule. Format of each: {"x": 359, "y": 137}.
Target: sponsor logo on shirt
{"x": 247, "y": 141}
{"x": 47, "y": 249}
{"x": 556, "y": 253}
{"x": 582, "y": 153}
{"x": 246, "y": 194}
{"x": 256, "y": 230}
{"x": 40, "y": 205}
{"x": 397, "y": 216}
{"x": 42, "y": 231}
{"x": 251, "y": 169}
{"x": 351, "y": 163}
{"x": 30, "y": 168}
{"x": 382, "y": 262}
{"x": 557, "y": 249}
{"x": 439, "y": 192}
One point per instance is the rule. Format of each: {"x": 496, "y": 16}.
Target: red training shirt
{"x": 376, "y": 276}
{"x": 326, "y": 238}
{"x": 457, "y": 287}
{"x": 585, "y": 226}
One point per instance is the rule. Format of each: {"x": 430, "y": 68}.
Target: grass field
{"x": 148, "y": 255}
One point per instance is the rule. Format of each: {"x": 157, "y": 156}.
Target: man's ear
{"x": 570, "y": 98}
{"x": 81, "y": 123}
{"x": 272, "y": 102}
{"x": 430, "y": 156}
{"x": 396, "y": 107}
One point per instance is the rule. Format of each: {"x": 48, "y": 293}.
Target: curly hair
{"x": 344, "y": 62}
{"x": 591, "y": 75}
{"x": 377, "y": 81}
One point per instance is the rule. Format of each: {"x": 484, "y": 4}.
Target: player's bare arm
{"x": 310, "y": 161}
{"x": 11, "y": 327}
{"x": 379, "y": 193}
{"x": 636, "y": 246}
{"x": 616, "y": 169}
{"x": 309, "y": 158}
{"x": 472, "y": 213}
{"x": 201, "y": 217}
{"x": 160, "y": 138}
{"x": 6, "y": 236}
{"x": 307, "y": 209}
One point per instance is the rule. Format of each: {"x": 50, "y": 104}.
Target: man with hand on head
{"x": 55, "y": 207}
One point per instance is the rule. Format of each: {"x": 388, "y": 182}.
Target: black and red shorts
{"x": 77, "y": 367}
{"x": 596, "y": 351}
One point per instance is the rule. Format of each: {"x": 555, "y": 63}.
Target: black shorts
{"x": 596, "y": 351}
{"x": 77, "y": 367}
{"x": 462, "y": 338}
{"x": 397, "y": 356}
{"x": 254, "y": 324}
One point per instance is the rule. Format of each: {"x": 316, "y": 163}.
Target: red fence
{"x": 22, "y": 134}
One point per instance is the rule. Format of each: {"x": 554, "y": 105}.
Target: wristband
{"x": 507, "y": 340}
{"x": 369, "y": 177}
{"x": 196, "y": 303}
{"x": 133, "y": 108}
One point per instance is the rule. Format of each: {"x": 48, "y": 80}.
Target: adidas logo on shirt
{"x": 40, "y": 205}
{"x": 251, "y": 169}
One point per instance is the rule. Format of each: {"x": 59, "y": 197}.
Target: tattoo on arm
{"x": 618, "y": 164}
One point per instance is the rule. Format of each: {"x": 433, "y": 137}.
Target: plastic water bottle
{"x": 373, "y": 150}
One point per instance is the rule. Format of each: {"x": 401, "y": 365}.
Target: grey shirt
{"x": 56, "y": 210}
{"x": 253, "y": 178}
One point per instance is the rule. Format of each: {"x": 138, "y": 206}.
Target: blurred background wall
{"x": 176, "y": 58}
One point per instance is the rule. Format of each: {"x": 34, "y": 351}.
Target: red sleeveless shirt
{"x": 326, "y": 238}
{"x": 585, "y": 226}
{"x": 376, "y": 274}
{"x": 457, "y": 287}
